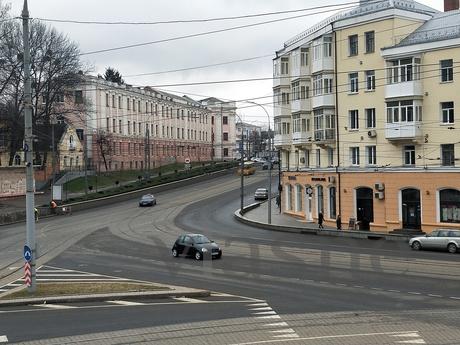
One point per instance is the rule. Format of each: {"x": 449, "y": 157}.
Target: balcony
{"x": 300, "y": 72}
{"x": 282, "y": 110}
{"x": 324, "y": 64}
{"x": 301, "y": 138}
{"x": 282, "y": 140}
{"x": 403, "y": 130}
{"x": 326, "y": 100}
{"x": 281, "y": 80}
{"x": 323, "y": 136}
{"x": 301, "y": 105}
{"x": 411, "y": 89}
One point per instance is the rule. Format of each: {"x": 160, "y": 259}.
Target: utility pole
{"x": 28, "y": 148}
{"x": 146, "y": 152}
{"x": 53, "y": 158}
{"x": 242, "y": 169}
{"x": 86, "y": 164}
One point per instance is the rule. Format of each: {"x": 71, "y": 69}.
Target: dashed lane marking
{"x": 277, "y": 324}
{"x": 189, "y": 300}
{"x": 260, "y": 309}
{"x": 287, "y": 330}
{"x": 3, "y": 339}
{"x": 265, "y": 313}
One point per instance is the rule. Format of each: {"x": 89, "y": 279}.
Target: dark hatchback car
{"x": 147, "y": 200}
{"x": 196, "y": 245}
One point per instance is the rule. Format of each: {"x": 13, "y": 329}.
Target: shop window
{"x": 449, "y": 205}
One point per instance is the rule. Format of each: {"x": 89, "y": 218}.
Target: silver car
{"x": 438, "y": 239}
{"x": 261, "y": 194}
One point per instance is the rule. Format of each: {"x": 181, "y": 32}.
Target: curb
{"x": 325, "y": 232}
{"x": 104, "y": 297}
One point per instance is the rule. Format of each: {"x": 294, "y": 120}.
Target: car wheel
{"x": 197, "y": 255}
{"x": 416, "y": 245}
{"x": 175, "y": 253}
{"x": 452, "y": 248}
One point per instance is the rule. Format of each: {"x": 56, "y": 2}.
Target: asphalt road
{"x": 311, "y": 289}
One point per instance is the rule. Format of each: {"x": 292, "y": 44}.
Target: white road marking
{"x": 3, "y": 339}
{"x": 358, "y": 286}
{"x": 358, "y": 335}
{"x": 188, "y": 300}
{"x": 83, "y": 280}
{"x": 12, "y": 268}
{"x": 413, "y": 341}
{"x": 258, "y": 305}
{"x": 286, "y": 330}
{"x": 220, "y": 294}
{"x": 14, "y": 284}
{"x": 414, "y": 293}
{"x": 291, "y": 336}
{"x": 397, "y": 291}
{"x": 55, "y": 306}
{"x": 455, "y": 297}
{"x": 265, "y": 313}
{"x": 277, "y": 324}
{"x": 340, "y": 284}
{"x": 407, "y": 335}
{"x": 261, "y": 308}
{"x": 433, "y": 295}
{"x": 269, "y": 317}
{"x": 127, "y": 303}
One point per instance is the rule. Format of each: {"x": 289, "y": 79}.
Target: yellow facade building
{"x": 365, "y": 118}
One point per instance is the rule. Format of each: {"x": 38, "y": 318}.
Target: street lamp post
{"x": 270, "y": 163}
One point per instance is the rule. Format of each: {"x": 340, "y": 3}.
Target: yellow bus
{"x": 248, "y": 169}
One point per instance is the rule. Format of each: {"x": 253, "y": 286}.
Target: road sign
{"x": 309, "y": 191}
{"x": 27, "y": 274}
{"x": 27, "y": 253}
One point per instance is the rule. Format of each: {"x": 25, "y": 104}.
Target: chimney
{"x": 451, "y": 5}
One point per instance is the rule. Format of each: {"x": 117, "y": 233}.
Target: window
{"x": 447, "y": 109}
{"x": 449, "y": 206}
{"x": 322, "y": 85}
{"x": 353, "y": 119}
{"x": 324, "y": 125}
{"x": 129, "y": 127}
{"x": 134, "y": 105}
{"x": 78, "y": 97}
{"x": 59, "y": 97}
{"x": 284, "y": 66}
{"x": 106, "y": 99}
{"x": 353, "y": 45}
{"x": 447, "y": 70}
{"x": 370, "y": 118}
{"x": 409, "y": 155}
{"x": 120, "y": 102}
{"x": 447, "y": 155}
{"x": 353, "y": 82}
{"x": 225, "y": 120}
{"x": 303, "y": 57}
{"x": 370, "y": 41}
{"x": 114, "y": 129}
{"x": 285, "y": 98}
{"x": 225, "y": 136}
{"x": 370, "y": 80}
{"x": 304, "y": 91}
{"x": 403, "y": 111}
{"x": 134, "y": 127}
{"x": 354, "y": 155}
{"x": 119, "y": 127}
{"x": 307, "y": 158}
{"x": 327, "y": 46}
{"x": 371, "y": 154}
{"x": 225, "y": 152}
{"x": 403, "y": 70}
{"x": 330, "y": 156}
{"x": 128, "y": 104}
{"x": 296, "y": 123}
{"x": 319, "y": 193}
{"x": 316, "y": 50}
{"x": 113, "y": 101}
{"x": 318, "y": 158}
{"x": 295, "y": 90}
{"x": 332, "y": 203}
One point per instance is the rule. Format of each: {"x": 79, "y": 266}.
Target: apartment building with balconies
{"x": 382, "y": 119}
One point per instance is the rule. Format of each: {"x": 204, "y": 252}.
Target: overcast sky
{"x": 211, "y": 49}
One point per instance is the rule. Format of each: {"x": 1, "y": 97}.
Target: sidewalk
{"x": 256, "y": 215}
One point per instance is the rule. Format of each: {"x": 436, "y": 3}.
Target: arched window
{"x": 17, "y": 160}
{"x": 298, "y": 198}
{"x": 320, "y": 199}
{"x": 288, "y": 197}
{"x": 332, "y": 203}
{"x": 449, "y": 205}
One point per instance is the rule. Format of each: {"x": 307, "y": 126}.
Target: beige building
{"x": 365, "y": 118}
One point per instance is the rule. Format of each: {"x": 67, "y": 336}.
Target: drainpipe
{"x": 339, "y": 184}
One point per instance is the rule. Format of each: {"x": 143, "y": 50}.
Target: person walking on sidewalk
{"x": 338, "y": 221}
{"x": 320, "y": 220}
{"x": 36, "y": 214}
{"x": 278, "y": 202}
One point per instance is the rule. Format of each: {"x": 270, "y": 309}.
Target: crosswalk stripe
{"x": 55, "y": 306}
{"x": 258, "y": 305}
{"x": 269, "y": 317}
{"x": 127, "y": 303}
{"x": 287, "y": 330}
{"x": 3, "y": 339}
{"x": 261, "y": 308}
{"x": 277, "y": 324}
{"x": 265, "y": 313}
{"x": 286, "y": 336}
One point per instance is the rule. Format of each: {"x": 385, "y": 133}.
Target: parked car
{"x": 261, "y": 194}
{"x": 197, "y": 246}
{"x": 147, "y": 200}
{"x": 442, "y": 239}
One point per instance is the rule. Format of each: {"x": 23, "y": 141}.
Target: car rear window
{"x": 454, "y": 234}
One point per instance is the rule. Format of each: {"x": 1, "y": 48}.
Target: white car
{"x": 442, "y": 239}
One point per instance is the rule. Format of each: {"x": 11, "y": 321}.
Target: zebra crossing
{"x": 49, "y": 274}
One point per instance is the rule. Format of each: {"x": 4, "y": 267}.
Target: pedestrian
{"x": 320, "y": 220}
{"x": 339, "y": 222}
{"x": 278, "y": 202}
{"x": 36, "y": 214}
{"x": 53, "y": 206}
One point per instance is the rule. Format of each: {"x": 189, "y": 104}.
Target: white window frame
{"x": 409, "y": 155}
{"x": 353, "y": 120}
{"x": 370, "y": 80}
{"x": 447, "y": 71}
{"x": 370, "y": 117}
{"x": 447, "y": 113}
{"x": 371, "y": 155}
{"x": 354, "y": 156}
{"x": 353, "y": 80}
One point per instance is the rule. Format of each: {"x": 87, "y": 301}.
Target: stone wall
{"x": 12, "y": 181}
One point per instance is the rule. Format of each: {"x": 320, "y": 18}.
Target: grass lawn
{"x": 108, "y": 179}
{"x": 71, "y": 289}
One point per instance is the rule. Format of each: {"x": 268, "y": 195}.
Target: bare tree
{"x": 104, "y": 145}
{"x": 55, "y": 72}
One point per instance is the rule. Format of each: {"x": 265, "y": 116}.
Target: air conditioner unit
{"x": 379, "y": 186}
{"x": 331, "y": 179}
{"x": 372, "y": 134}
{"x": 379, "y": 195}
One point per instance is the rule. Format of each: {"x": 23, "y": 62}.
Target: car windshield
{"x": 148, "y": 196}
{"x": 200, "y": 239}
{"x": 261, "y": 190}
